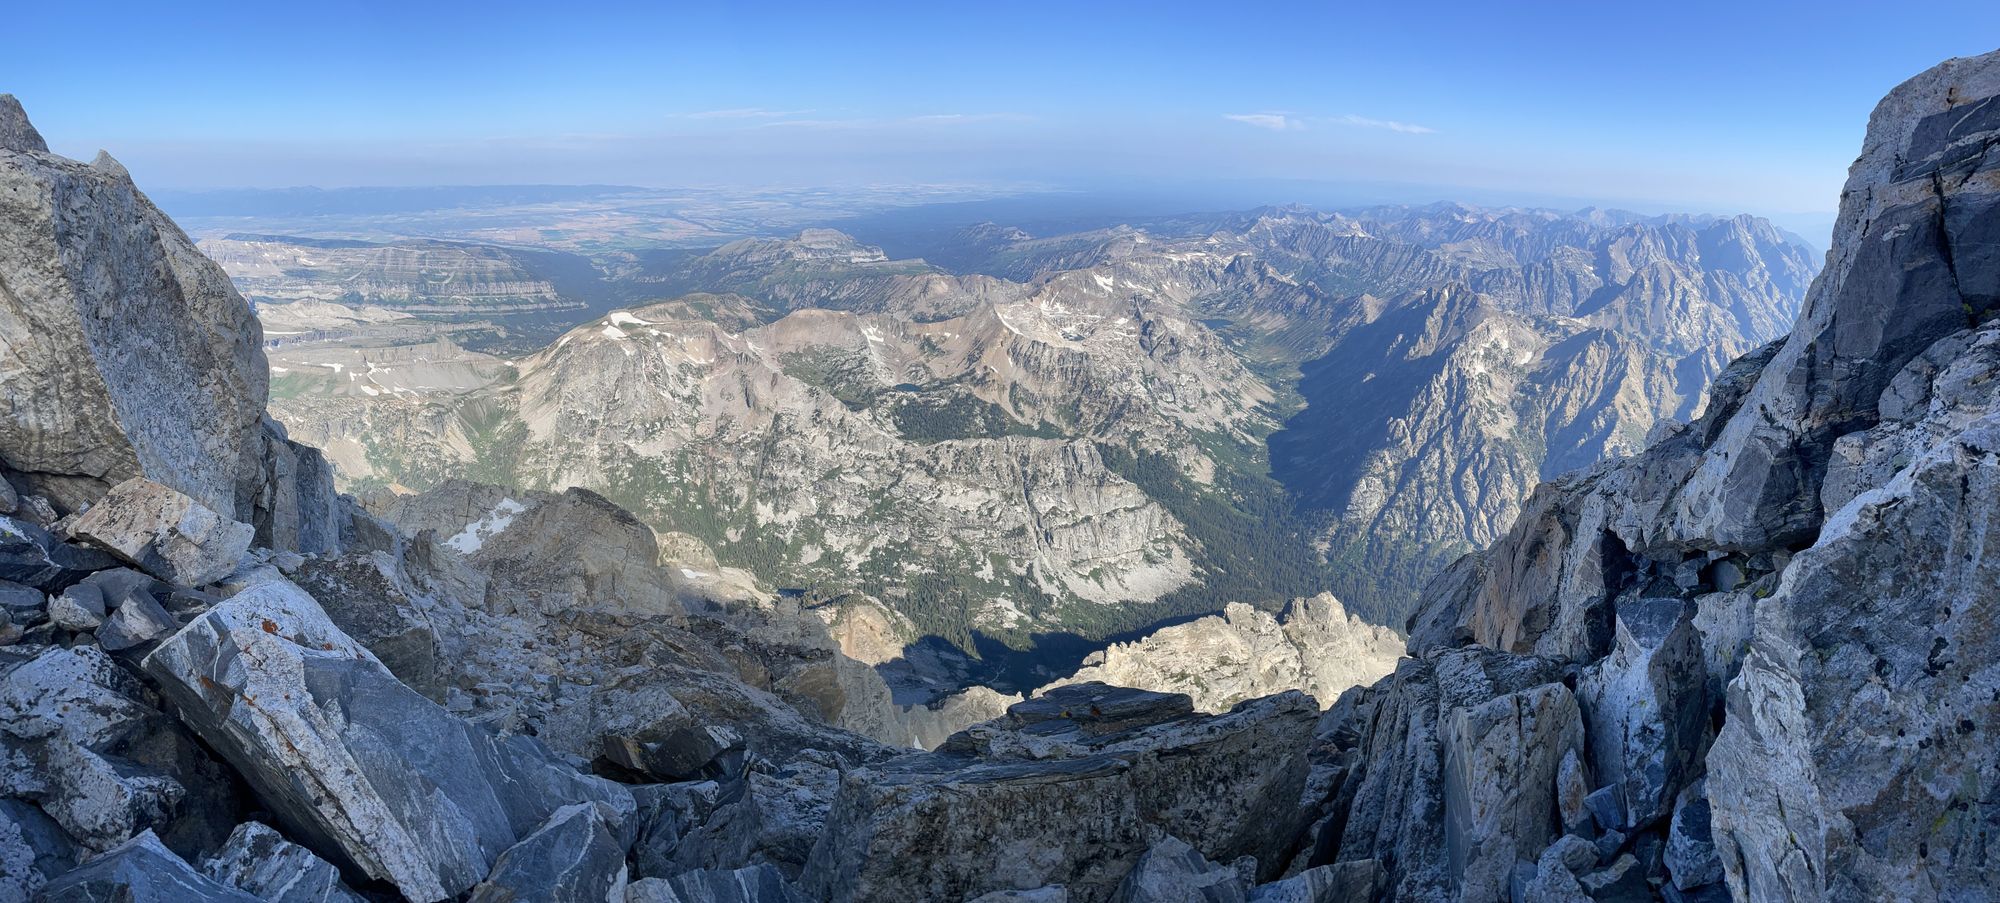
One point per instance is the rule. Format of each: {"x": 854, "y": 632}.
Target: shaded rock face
{"x": 570, "y": 581}
{"x": 1409, "y": 768}
{"x": 573, "y": 856}
{"x": 1173, "y": 871}
{"x": 92, "y": 401}
{"x": 1777, "y": 620}
{"x": 1106, "y": 769}
{"x": 753, "y": 884}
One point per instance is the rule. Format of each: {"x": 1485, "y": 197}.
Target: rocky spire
{"x": 16, "y": 132}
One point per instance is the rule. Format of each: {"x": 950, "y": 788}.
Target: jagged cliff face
{"x": 427, "y": 277}
{"x": 1060, "y": 451}
{"x": 1777, "y": 679}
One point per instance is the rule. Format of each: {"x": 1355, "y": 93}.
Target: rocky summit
{"x": 1754, "y": 661}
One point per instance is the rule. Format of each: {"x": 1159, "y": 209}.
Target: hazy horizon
{"x": 1719, "y": 109}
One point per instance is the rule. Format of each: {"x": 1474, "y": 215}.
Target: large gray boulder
{"x": 1420, "y": 792}
{"x": 574, "y": 857}
{"x": 1071, "y": 789}
{"x": 164, "y": 533}
{"x": 89, "y": 398}
{"x": 1489, "y": 823}
{"x": 693, "y": 825}
{"x": 141, "y": 870}
{"x": 258, "y": 860}
{"x": 1173, "y": 872}
{"x": 352, "y": 762}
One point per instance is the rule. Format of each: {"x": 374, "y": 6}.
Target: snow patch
{"x": 621, "y": 318}
{"x": 614, "y": 332}
{"x": 473, "y": 537}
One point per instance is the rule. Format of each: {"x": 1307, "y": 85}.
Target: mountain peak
{"x": 16, "y": 132}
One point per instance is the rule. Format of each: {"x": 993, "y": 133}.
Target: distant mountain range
{"x": 1084, "y": 433}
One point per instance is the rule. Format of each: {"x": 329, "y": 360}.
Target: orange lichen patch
{"x": 269, "y": 626}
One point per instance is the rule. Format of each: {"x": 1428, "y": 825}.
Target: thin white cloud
{"x": 928, "y": 119}
{"x": 744, "y": 113}
{"x": 817, "y": 123}
{"x": 1277, "y": 122}
{"x": 969, "y": 117}
{"x": 1390, "y": 124}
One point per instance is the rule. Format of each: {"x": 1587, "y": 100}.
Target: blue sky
{"x": 1709, "y": 106}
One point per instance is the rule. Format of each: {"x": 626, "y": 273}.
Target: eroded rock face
{"x": 92, "y": 401}
{"x": 1858, "y": 737}
{"x": 1112, "y": 768}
